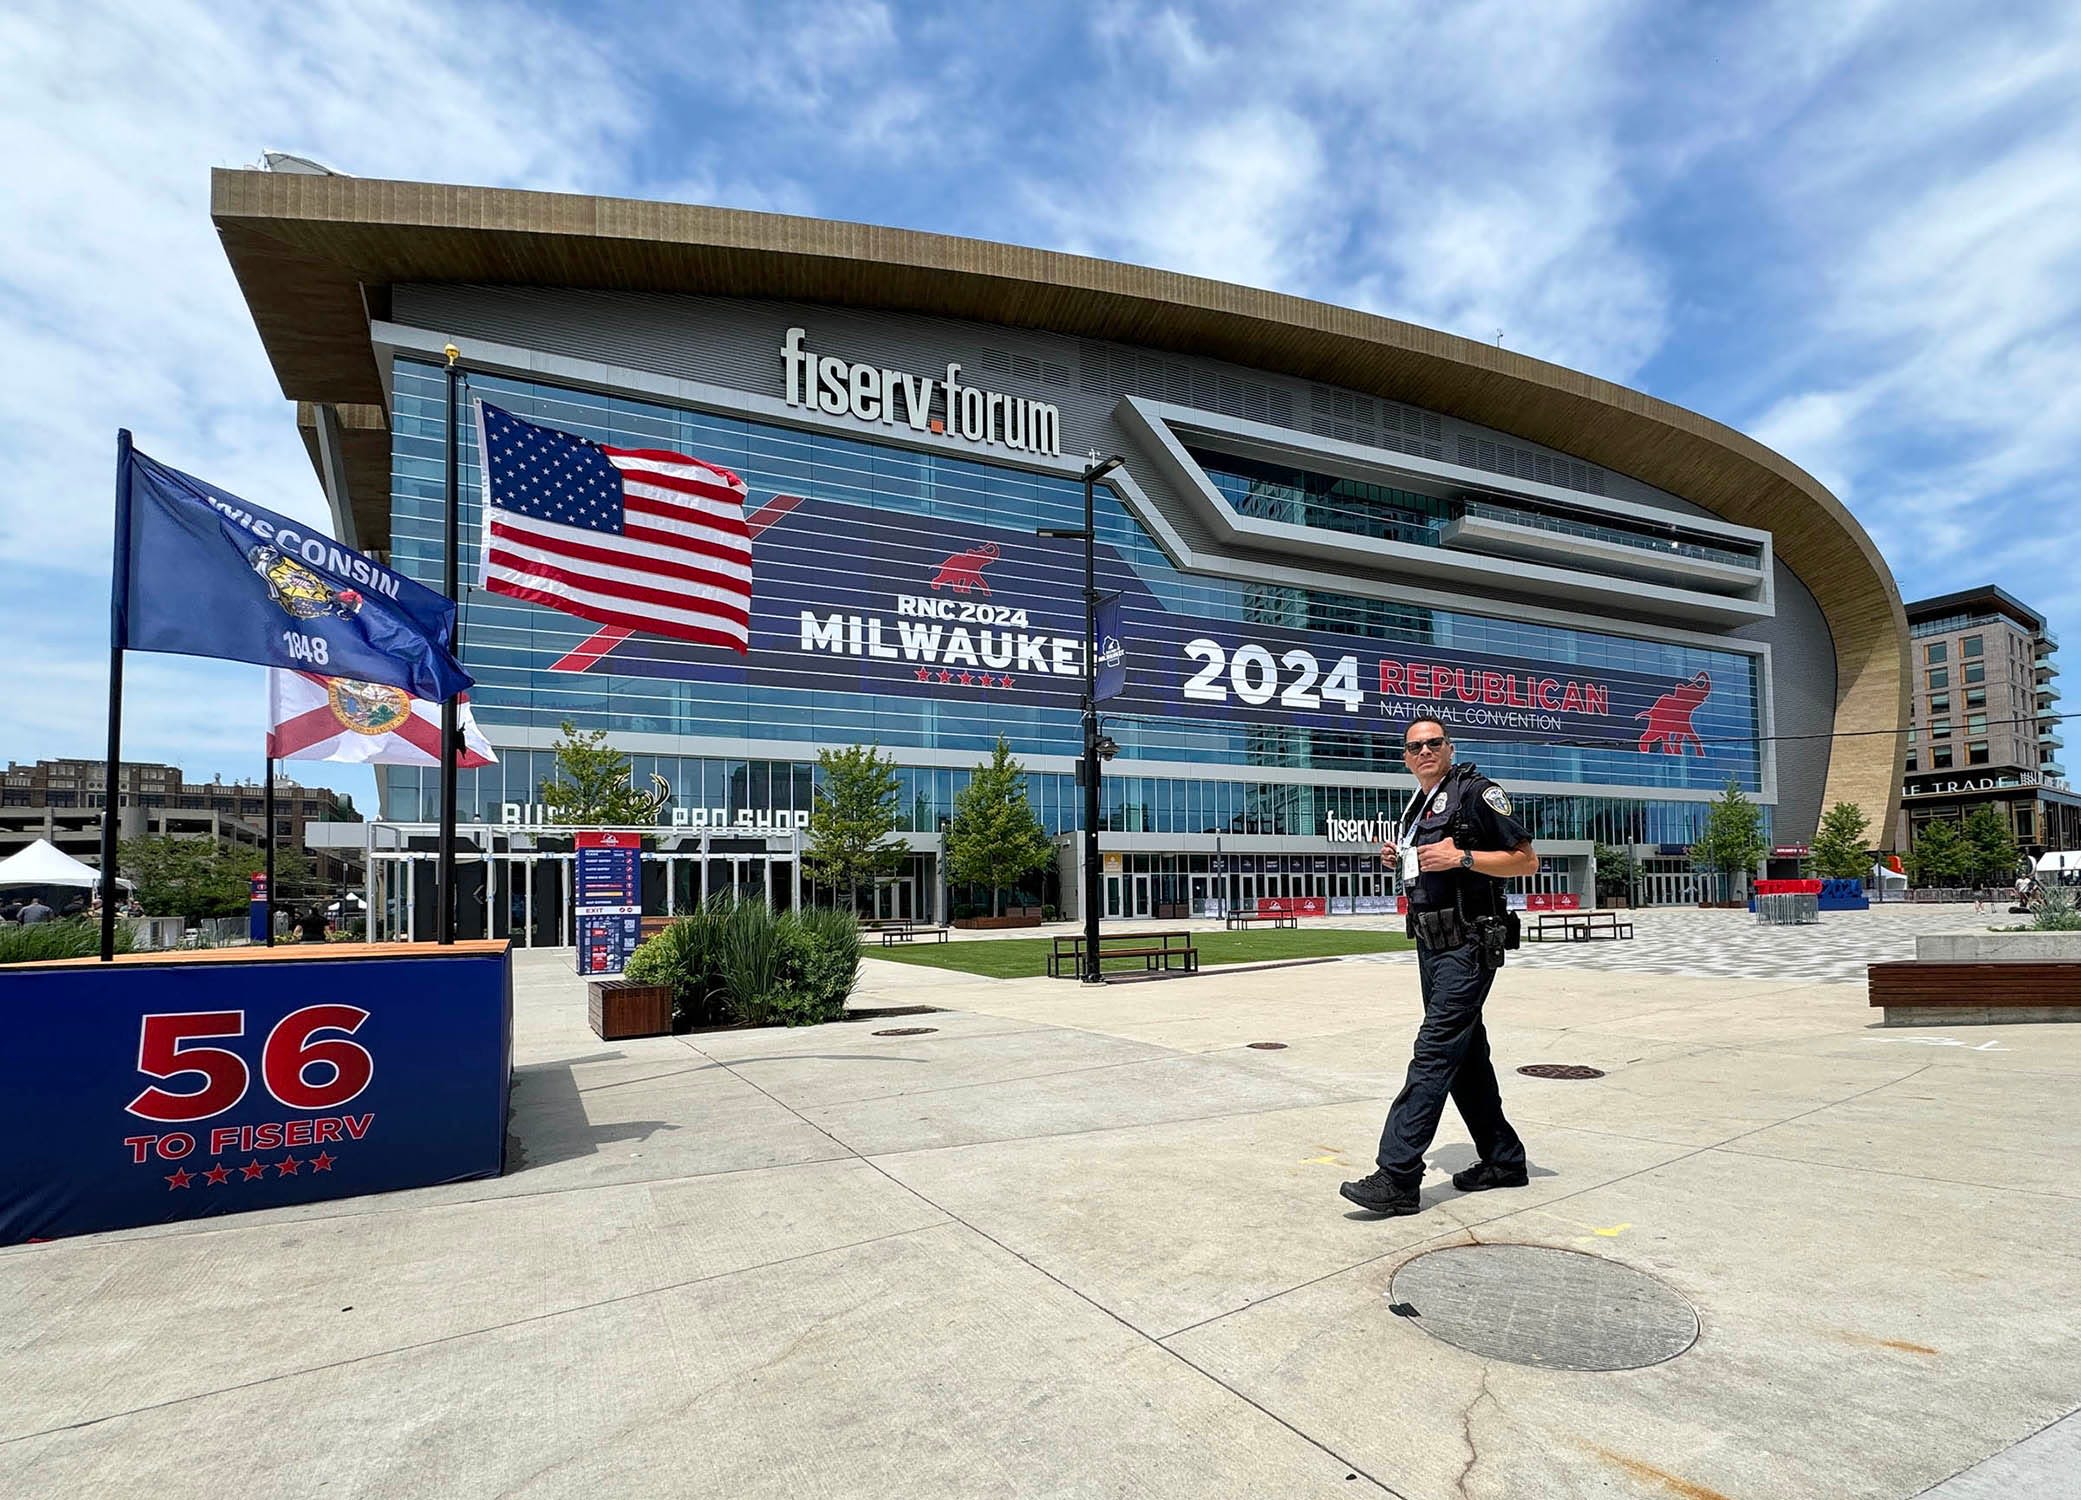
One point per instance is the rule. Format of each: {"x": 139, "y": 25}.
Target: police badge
{"x": 1438, "y": 804}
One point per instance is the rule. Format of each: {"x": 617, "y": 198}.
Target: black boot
{"x": 1381, "y": 1196}
{"x": 1483, "y": 1175}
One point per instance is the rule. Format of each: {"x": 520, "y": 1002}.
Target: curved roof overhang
{"x": 315, "y": 257}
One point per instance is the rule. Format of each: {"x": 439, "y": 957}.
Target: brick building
{"x": 61, "y": 800}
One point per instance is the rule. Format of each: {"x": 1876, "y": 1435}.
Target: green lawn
{"x": 1024, "y": 958}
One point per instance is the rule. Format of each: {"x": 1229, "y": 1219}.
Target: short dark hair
{"x": 1424, "y": 719}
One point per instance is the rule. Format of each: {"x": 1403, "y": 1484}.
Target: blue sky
{"x": 1851, "y": 230}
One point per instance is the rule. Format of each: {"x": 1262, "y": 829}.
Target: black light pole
{"x": 444, "y": 876}
{"x": 1094, "y": 471}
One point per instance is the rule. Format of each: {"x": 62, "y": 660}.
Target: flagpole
{"x": 444, "y": 922}
{"x": 267, "y": 804}
{"x": 118, "y": 638}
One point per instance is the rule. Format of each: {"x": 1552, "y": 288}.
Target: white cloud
{"x": 117, "y": 307}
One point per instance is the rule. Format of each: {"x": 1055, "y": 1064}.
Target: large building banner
{"x": 848, "y": 599}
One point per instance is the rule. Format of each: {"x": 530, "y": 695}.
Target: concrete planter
{"x": 991, "y": 924}
{"x": 1999, "y": 947}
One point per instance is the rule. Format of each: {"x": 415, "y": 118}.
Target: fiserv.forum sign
{"x": 871, "y": 393}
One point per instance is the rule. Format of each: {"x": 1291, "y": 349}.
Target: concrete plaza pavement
{"x": 1084, "y": 1243}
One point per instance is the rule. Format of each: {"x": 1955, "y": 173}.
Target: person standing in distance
{"x": 1466, "y": 844}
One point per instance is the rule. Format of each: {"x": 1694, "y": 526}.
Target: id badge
{"x": 1406, "y": 866}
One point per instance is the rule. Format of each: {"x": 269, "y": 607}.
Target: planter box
{"x": 621, "y": 1008}
{"x": 1616, "y": 901}
{"x": 992, "y": 924}
{"x": 1981, "y": 979}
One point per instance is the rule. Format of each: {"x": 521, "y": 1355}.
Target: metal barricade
{"x": 1794, "y": 909}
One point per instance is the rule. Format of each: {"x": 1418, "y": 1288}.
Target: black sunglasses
{"x": 1417, "y": 747}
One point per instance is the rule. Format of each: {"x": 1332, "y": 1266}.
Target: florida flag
{"x": 364, "y": 723}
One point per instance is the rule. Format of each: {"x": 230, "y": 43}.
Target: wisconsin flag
{"x": 364, "y": 723}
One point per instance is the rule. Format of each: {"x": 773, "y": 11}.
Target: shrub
{"x": 1048, "y": 912}
{"x": 2055, "y": 911}
{"x": 828, "y": 958}
{"x": 680, "y": 957}
{"x": 73, "y": 937}
{"x": 740, "y": 961}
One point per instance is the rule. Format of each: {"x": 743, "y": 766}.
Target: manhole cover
{"x": 1266, "y": 1046}
{"x": 907, "y": 1031}
{"x": 1560, "y": 1070}
{"x": 1557, "y": 1309}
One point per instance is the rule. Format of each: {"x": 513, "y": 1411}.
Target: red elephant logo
{"x": 964, "y": 570}
{"x": 1669, "y": 720}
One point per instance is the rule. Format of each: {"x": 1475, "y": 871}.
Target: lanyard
{"x": 1412, "y": 813}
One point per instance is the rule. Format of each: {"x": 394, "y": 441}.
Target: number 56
{"x": 291, "y": 1050}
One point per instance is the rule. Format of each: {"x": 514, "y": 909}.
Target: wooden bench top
{"x": 1934, "y": 983}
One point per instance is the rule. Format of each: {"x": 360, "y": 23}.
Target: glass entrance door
{"x": 1141, "y": 895}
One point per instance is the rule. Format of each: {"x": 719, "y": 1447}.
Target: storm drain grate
{"x": 1535, "y": 1305}
{"x": 1266, "y": 1046}
{"x": 1560, "y": 1070}
{"x": 907, "y": 1031}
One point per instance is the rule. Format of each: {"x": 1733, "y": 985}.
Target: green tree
{"x": 853, "y": 811}
{"x": 1617, "y": 869}
{"x": 1840, "y": 851}
{"x": 593, "y": 786}
{"x": 1991, "y": 847}
{"x": 1732, "y": 843}
{"x": 197, "y": 878}
{"x": 1940, "y": 855}
{"x": 994, "y": 838}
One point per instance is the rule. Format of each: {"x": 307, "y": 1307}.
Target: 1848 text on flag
{"x": 643, "y": 538}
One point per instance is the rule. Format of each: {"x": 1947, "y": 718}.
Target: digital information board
{"x": 608, "y": 896}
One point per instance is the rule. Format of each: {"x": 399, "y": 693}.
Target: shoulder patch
{"x": 1498, "y": 799}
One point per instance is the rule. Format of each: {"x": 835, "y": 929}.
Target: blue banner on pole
{"x": 211, "y": 575}
{"x": 1111, "y": 649}
{"x": 142, "y": 1093}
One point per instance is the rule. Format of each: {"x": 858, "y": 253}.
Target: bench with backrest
{"x": 1157, "y": 951}
{"x": 910, "y": 932}
{"x": 1242, "y": 919}
{"x": 1576, "y": 926}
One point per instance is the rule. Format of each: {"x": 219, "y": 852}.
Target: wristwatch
{"x": 1466, "y": 859}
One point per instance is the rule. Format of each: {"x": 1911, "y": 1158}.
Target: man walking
{"x": 1456, "y": 845}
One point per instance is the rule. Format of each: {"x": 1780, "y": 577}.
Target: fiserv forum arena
{"x": 1326, "y": 521}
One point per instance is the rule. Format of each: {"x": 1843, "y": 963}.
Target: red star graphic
{"x": 1004, "y": 682}
{"x": 968, "y": 679}
{"x": 253, "y": 1169}
{"x": 945, "y": 675}
{"x": 180, "y": 1177}
{"x": 924, "y": 674}
{"x": 322, "y": 1162}
{"x": 218, "y": 1175}
{"x": 287, "y": 1166}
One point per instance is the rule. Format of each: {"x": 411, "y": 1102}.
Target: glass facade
{"x": 1275, "y": 492}
{"x": 895, "y": 494}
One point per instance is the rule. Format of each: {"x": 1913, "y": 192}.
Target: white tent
{"x": 43, "y": 863}
{"x": 2050, "y": 866}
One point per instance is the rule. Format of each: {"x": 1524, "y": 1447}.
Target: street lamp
{"x": 1094, "y": 470}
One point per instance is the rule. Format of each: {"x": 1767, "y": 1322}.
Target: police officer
{"x": 1466, "y": 844}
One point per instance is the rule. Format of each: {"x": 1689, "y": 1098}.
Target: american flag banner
{"x": 640, "y": 538}
{"x": 364, "y": 723}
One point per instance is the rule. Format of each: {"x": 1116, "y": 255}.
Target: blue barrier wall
{"x": 142, "y": 1092}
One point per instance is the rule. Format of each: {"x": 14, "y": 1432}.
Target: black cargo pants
{"x": 1451, "y": 1058}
